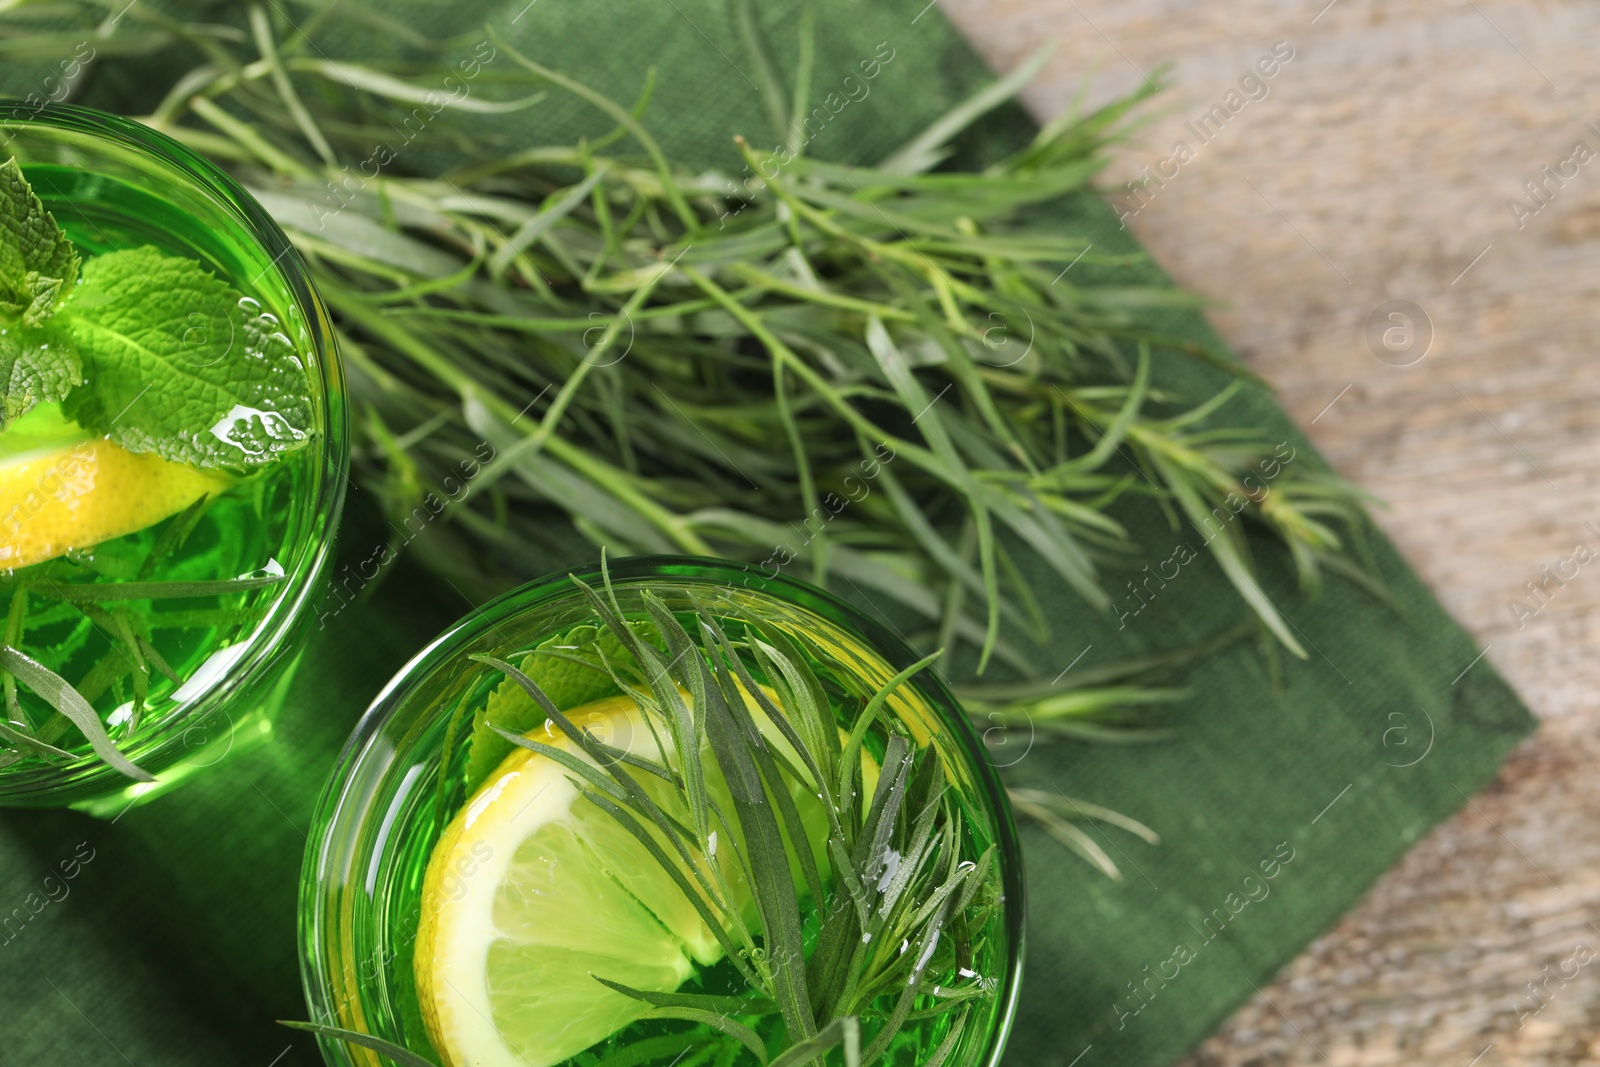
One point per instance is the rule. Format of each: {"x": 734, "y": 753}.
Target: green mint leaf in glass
{"x": 38, "y": 364}
{"x": 38, "y": 270}
{"x": 38, "y": 266}
{"x": 174, "y": 365}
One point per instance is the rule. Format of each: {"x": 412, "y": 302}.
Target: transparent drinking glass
{"x": 113, "y": 185}
{"x": 400, "y": 780}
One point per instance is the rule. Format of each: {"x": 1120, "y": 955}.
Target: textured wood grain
{"x": 1378, "y": 167}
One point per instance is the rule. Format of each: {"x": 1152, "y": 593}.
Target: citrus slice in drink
{"x": 62, "y": 489}
{"x": 533, "y": 892}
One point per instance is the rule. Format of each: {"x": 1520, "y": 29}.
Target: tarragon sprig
{"x": 899, "y": 874}
{"x": 704, "y": 362}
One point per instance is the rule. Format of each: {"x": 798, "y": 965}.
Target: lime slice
{"x": 61, "y": 489}
{"x": 533, "y": 891}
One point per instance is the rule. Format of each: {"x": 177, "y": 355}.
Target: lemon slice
{"x": 532, "y": 889}
{"x": 62, "y": 489}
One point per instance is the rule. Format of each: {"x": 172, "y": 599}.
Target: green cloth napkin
{"x": 1280, "y": 802}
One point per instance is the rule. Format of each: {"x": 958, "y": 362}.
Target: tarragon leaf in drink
{"x": 174, "y": 366}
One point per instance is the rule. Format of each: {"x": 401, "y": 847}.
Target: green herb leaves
{"x": 880, "y": 377}
{"x": 38, "y": 266}
{"x": 60, "y": 694}
{"x": 38, "y": 269}
{"x": 171, "y": 369}
{"x": 569, "y": 668}
{"x": 852, "y": 922}
{"x": 38, "y": 365}
{"x": 160, "y": 356}
{"x": 151, "y": 350}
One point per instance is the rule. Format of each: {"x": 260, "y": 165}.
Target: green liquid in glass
{"x": 374, "y": 987}
{"x": 260, "y": 524}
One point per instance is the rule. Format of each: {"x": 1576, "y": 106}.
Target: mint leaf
{"x": 168, "y": 360}
{"x": 38, "y": 270}
{"x": 38, "y": 265}
{"x": 567, "y": 684}
{"x": 37, "y": 365}
{"x": 172, "y": 365}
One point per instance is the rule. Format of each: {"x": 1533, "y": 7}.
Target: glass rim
{"x": 166, "y": 745}
{"x": 315, "y": 918}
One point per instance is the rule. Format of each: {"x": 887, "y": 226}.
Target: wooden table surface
{"x": 1380, "y": 165}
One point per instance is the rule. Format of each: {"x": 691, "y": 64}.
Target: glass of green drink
{"x": 173, "y": 456}
{"x": 670, "y": 811}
